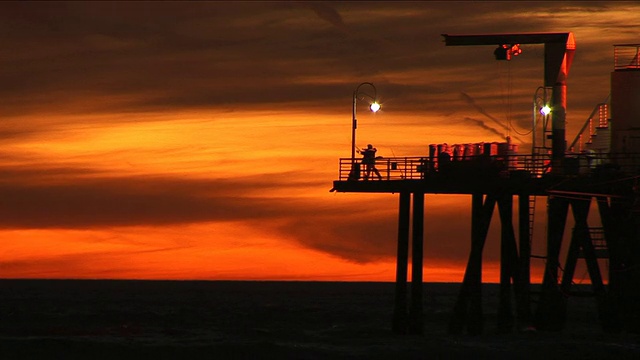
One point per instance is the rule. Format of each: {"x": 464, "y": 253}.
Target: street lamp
{"x": 540, "y": 109}
{"x": 373, "y": 106}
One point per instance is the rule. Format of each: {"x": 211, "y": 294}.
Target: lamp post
{"x": 374, "y": 107}
{"x": 540, "y": 109}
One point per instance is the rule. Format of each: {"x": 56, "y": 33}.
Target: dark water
{"x": 94, "y": 319}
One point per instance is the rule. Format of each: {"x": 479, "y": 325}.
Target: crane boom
{"x": 559, "y": 49}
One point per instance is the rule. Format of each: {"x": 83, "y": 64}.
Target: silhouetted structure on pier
{"x": 602, "y": 165}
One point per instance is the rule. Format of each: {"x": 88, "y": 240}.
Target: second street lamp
{"x": 373, "y": 106}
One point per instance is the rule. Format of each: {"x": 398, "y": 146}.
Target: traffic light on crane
{"x": 505, "y": 52}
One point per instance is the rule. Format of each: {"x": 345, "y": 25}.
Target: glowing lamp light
{"x": 545, "y": 110}
{"x": 374, "y": 106}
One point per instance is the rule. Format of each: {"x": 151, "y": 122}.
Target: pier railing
{"x": 421, "y": 167}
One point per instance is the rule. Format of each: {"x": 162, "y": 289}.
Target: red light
{"x": 515, "y": 50}
{"x": 504, "y": 51}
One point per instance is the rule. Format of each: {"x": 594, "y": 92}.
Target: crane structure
{"x": 559, "y": 50}
{"x": 605, "y": 176}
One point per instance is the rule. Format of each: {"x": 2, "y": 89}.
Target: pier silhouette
{"x": 603, "y": 172}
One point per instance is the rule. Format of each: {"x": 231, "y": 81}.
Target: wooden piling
{"x": 415, "y": 312}
{"x": 551, "y": 312}
{"x": 523, "y": 289}
{"x": 508, "y": 262}
{"x": 400, "y": 309}
{"x": 468, "y": 308}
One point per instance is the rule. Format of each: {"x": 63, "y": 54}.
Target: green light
{"x": 545, "y": 110}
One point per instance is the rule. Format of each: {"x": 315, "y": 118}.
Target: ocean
{"x": 127, "y": 319}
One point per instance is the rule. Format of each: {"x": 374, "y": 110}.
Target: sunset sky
{"x": 199, "y": 140}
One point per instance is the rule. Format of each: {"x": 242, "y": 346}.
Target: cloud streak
{"x": 357, "y": 232}
{"x": 134, "y": 201}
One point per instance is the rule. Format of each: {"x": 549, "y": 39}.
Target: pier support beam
{"x": 468, "y": 308}
{"x": 412, "y": 322}
{"x": 523, "y": 290}
{"x": 617, "y": 262}
{"x": 400, "y": 310}
{"x": 551, "y": 312}
{"x": 581, "y": 240}
{"x": 624, "y": 250}
{"x": 508, "y": 263}
{"x": 415, "y": 311}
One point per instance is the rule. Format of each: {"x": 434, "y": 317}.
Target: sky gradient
{"x": 199, "y": 140}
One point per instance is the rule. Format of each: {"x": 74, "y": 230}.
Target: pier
{"x": 598, "y": 171}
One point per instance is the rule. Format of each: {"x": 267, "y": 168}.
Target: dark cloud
{"x": 358, "y": 235}
{"x": 157, "y": 56}
{"x": 76, "y": 265}
{"x": 365, "y": 235}
{"x": 36, "y": 200}
{"x": 10, "y": 134}
{"x": 145, "y": 200}
{"x": 364, "y": 231}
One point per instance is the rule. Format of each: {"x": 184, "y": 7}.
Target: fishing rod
{"x": 394, "y": 155}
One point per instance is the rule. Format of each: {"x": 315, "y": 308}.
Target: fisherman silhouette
{"x": 369, "y": 161}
